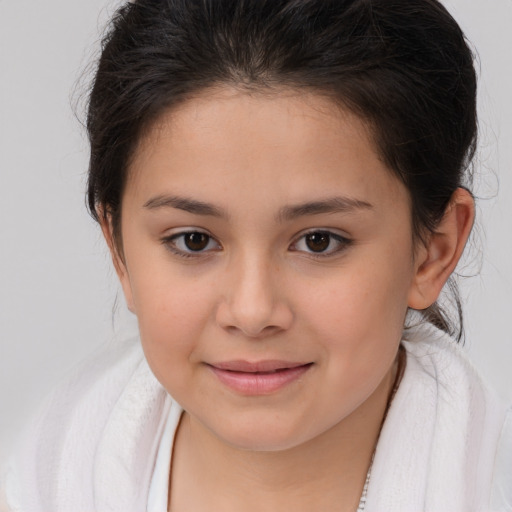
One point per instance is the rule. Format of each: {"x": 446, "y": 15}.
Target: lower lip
{"x": 254, "y": 384}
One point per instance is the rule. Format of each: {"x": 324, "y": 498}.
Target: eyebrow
{"x": 337, "y": 204}
{"x": 329, "y": 205}
{"x": 186, "y": 204}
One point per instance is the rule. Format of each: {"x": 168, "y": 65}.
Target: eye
{"x": 191, "y": 243}
{"x": 321, "y": 243}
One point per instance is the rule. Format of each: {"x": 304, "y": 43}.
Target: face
{"x": 268, "y": 256}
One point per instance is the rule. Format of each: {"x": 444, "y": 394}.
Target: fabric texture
{"x": 446, "y": 444}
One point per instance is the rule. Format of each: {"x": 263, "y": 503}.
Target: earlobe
{"x": 117, "y": 259}
{"x": 440, "y": 255}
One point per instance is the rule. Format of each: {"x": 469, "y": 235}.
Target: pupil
{"x": 318, "y": 242}
{"x": 196, "y": 241}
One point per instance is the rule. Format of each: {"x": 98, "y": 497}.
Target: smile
{"x": 261, "y": 378}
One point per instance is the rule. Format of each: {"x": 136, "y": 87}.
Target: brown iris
{"x": 318, "y": 241}
{"x": 196, "y": 241}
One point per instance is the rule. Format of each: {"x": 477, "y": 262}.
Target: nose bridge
{"x": 254, "y": 299}
{"x": 253, "y": 283}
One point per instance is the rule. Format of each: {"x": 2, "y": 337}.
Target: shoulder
{"x": 435, "y": 350}
{"x": 441, "y": 438}
{"x": 69, "y": 429}
{"x": 85, "y": 397}
{"x": 438, "y": 357}
{"x": 471, "y": 423}
{"x": 439, "y": 360}
{"x": 501, "y": 497}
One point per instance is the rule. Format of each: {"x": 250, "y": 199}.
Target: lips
{"x": 258, "y": 378}
{"x": 256, "y": 367}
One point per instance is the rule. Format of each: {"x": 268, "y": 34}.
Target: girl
{"x": 282, "y": 185}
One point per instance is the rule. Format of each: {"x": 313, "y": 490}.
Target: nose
{"x": 254, "y": 303}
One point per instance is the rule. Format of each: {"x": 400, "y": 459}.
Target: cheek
{"x": 172, "y": 312}
{"x": 357, "y": 320}
{"x": 359, "y": 311}
{"x": 166, "y": 294}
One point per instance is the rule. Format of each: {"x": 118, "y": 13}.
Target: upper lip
{"x": 256, "y": 366}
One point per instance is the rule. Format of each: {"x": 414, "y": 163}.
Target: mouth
{"x": 258, "y": 378}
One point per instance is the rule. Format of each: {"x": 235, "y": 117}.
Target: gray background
{"x": 57, "y": 289}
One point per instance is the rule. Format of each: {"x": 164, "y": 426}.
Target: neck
{"x": 325, "y": 473}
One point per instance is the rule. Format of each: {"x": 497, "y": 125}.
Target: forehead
{"x": 285, "y": 145}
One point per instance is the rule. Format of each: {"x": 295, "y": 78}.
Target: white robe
{"x": 446, "y": 444}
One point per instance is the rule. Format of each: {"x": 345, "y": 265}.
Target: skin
{"x": 258, "y": 291}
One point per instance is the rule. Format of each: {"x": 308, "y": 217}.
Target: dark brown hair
{"x": 403, "y": 66}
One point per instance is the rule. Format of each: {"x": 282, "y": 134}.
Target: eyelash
{"x": 170, "y": 244}
{"x": 342, "y": 243}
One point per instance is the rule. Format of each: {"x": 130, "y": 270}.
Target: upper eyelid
{"x": 185, "y": 231}
{"x": 330, "y": 231}
{"x": 170, "y": 245}
{"x": 188, "y": 231}
{"x": 344, "y": 241}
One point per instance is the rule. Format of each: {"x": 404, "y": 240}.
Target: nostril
{"x": 269, "y": 330}
{"x": 254, "y": 311}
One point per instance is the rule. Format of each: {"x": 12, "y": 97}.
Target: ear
{"x": 117, "y": 259}
{"x": 437, "y": 259}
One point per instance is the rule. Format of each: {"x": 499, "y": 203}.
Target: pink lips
{"x": 259, "y": 378}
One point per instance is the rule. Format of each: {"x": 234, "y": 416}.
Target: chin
{"x": 261, "y": 437}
